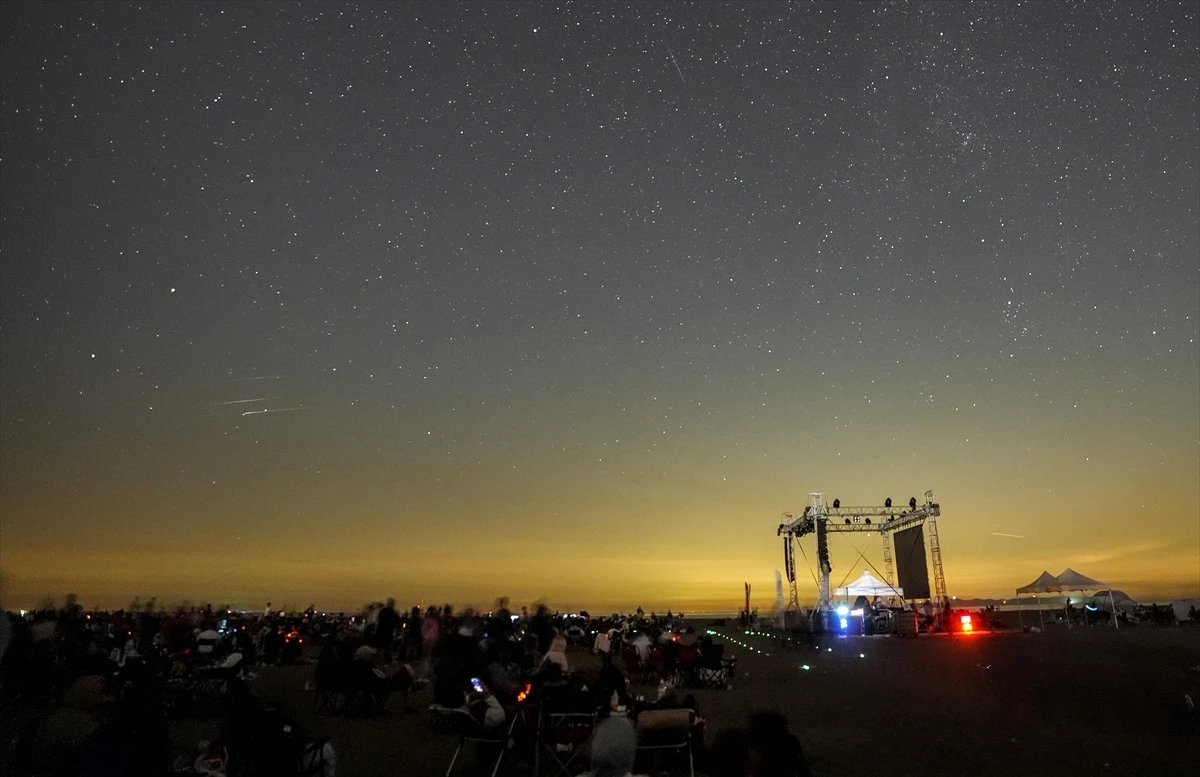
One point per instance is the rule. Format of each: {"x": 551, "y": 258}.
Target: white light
{"x": 844, "y": 623}
{"x": 856, "y": 612}
{"x": 843, "y": 610}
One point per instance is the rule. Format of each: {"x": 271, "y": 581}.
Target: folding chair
{"x": 685, "y": 666}
{"x": 328, "y": 698}
{"x": 713, "y": 670}
{"x": 666, "y": 730}
{"x": 460, "y": 724}
{"x": 632, "y": 662}
{"x": 563, "y": 735}
{"x": 317, "y": 759}
{"x": 656, "y": 665}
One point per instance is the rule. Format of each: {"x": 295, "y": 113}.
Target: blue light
{"x": 844, "y": 623}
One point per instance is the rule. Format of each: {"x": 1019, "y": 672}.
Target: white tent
{"x": 1182, "y": 609}
{"x": 1045, "y": 583}
{"x": 869, "y": 585}
{"x": 1068, "y": 582}
{"x": 1114, "y": 600}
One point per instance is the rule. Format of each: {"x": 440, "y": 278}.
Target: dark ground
{"x": 1084, "y": 702}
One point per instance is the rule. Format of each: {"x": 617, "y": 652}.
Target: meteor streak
{"x": 244, "y": 401}
{"x": 676, "y": 64}
{"x": 274, "y": 410}
{"x": 1015, "y": 536}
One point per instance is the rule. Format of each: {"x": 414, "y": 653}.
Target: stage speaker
{"x": 912, "y": 570}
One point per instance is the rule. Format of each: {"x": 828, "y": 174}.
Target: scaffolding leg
{"x": 887, "y": 565}
{"x": 935, "y": 551}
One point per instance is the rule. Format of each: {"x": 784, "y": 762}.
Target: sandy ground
{"x": 1082, "y": 702}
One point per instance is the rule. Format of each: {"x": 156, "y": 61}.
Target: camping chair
{"x": 685, "y": 664}
{"x": 460, "y": 724}
{"x": 329, "y": 694}
{"x": 713, "y": 670}
{"x": 563, "y": 735}
{"x": 317, "y": 759}
{"x": 656, "y": 665}
{"x": 17, "y": 757}
{"x": 632, "y": 662}
{"x": 365, "y": 692}
{"x": 666, "y": 730}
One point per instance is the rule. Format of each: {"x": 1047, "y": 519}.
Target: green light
{"x": 805, "y": 667}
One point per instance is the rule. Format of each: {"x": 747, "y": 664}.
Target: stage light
{"x": 868, "y": 521}
{"x": 837, "y": 503}
{"x": 912, "y": 502}
{"x": 847, "y": 521}
{"x": 887, "y": 502}
{"x": 844, "y": 623}
{"x": 843, "y": 610}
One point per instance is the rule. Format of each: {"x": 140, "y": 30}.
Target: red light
{"x": 967, "y": 625}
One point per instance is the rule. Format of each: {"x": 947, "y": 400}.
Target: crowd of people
{"x": 103, "y": 686}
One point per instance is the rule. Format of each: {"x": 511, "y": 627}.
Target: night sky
{"x": 328, "y": 303}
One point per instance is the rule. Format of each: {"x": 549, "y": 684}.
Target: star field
{"x": 341, "y": 301}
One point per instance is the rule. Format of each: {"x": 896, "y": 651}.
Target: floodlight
{"x": 912, "y": 502}
{"x": 887, "y": 502}
{"x": 837, "y": 503}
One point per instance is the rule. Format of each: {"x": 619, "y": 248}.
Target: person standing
{"x": 431, "y": 631}
{"x": 385, "y": 628}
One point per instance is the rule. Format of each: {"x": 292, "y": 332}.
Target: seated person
{"x": 60, "y": 741}
{"x": 614, "y": 748}
{"x": 448, "y": 686}
{"x": 503, "y": 677}
{"x": 208, "y": 642}
{"x": 775, "y": 749}
{"x": 610, "y": 680}
{"x": 367, "y": 652}
{"x": 558, "y": 654}
{"x": 486, "y": 708}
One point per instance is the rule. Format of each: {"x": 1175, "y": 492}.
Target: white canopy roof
{"x": 869, "y": 585}
{"x": 1045, "y": 583}
{"x": 1069, "y": 580}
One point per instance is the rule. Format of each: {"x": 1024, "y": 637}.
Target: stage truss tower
{"x": 821, "y": 520}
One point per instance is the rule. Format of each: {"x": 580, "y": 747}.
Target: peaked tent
{"x": 1070, "y": 580}
{"x": 1067, "y": 582}
{"x": 1046, "y": 583}
{"x": 869, "y": 585}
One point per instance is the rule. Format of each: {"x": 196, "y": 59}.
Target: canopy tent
{"x": 1068, "y": 581}
{"x": 869, "y": 585}
{"x": 1045, "y": 583}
